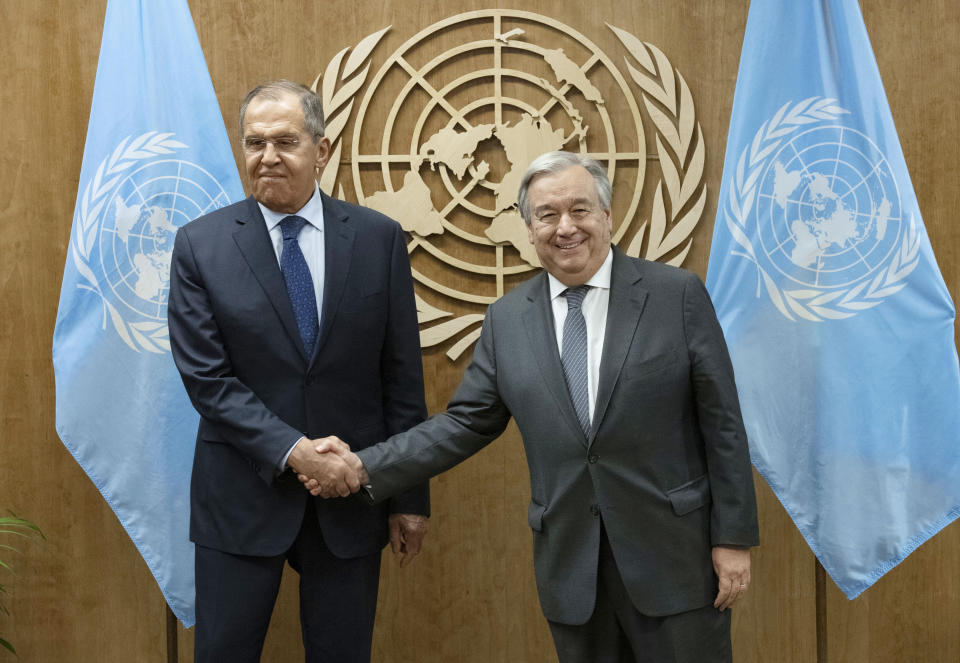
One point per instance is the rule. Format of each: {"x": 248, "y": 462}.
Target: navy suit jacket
{"x": 235, "y": 340}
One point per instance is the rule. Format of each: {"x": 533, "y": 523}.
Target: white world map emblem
{"x": 817, "y": 209}
{"x": 127, "y": 220}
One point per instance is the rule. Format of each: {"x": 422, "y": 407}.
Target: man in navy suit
{"x": 292, "y": 314}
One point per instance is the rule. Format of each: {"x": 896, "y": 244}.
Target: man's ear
{"x": 323, "y": 152}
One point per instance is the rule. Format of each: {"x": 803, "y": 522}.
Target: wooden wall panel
{"x": 85, "y": 594}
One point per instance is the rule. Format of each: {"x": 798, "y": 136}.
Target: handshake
{"x": 326, "y": 467}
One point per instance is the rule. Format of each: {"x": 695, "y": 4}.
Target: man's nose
{"x": 567, "y": 224}
{"x": 270, "y": 153}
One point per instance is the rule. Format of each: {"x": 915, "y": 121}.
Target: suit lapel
{"x": 338, "y": 250}
{"x": 254, "y": 243}
{"x": 538, "y": 321}
{"x": 625, "y": 307}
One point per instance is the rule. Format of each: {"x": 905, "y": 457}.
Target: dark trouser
{"x": 236, "y": 595}
{"x": 618, "y": 633}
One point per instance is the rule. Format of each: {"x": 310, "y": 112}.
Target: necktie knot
{"x": 575, "y": 296}
{"x": 291, "y": 226}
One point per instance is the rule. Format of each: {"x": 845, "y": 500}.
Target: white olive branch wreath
{"x": 337, "y": 95}
{"x": 680, "y": 150}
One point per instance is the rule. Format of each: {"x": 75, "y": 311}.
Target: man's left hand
{"x": 732, "y": 566}
{"x": 406, "y": 535}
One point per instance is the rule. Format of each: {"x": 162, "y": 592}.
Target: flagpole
{"x": 821, "y": 607}
{"x": 173, "y": 650}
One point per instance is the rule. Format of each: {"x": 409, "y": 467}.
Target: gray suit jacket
{"x": 666, "y": 465}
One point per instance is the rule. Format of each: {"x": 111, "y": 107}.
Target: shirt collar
{"x": 600, "y": 278}
{"x": 312, "y": 212}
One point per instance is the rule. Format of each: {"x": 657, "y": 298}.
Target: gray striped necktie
{"x": 573, "y": 354}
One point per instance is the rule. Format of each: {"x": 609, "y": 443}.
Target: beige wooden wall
{"x": 85, "y": 594}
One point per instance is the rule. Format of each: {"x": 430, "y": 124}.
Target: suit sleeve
{"x": 233, "y": 409}
{"x": 401, "y": 368}
{"x": 474, "y": 417}
{"x": 734, "y": 510}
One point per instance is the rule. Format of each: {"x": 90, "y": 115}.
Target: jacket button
{"x": 595, "y": 509}
{"x": 593, "y": 458}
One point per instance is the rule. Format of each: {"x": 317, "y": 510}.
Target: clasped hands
{"x": 326, "y": 467}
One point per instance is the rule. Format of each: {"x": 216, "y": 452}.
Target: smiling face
{"x": 281, "y": 157}
{"x": 569, "y": 228}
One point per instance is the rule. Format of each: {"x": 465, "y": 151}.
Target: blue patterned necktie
{"x": 573, "y": 354}
{"x": 296, "y": 275}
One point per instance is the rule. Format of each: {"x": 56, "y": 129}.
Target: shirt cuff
{"x": 286, "y": 456}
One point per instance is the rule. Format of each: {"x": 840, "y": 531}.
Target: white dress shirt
{"x": 310, "y": 240}
{"x": 594, "y": 309}
{"x": 312, "y": 246}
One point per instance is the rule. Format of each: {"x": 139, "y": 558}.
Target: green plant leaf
{"x": 16, "y": 526}
{"x": 15, "y": 521}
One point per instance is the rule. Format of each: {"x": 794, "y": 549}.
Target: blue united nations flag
{"x": 156, "y": 156}
{"x": 838, "y": 321}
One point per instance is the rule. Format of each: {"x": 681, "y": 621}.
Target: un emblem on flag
{"x": 817, "y": 209}
{"x": 126, "y": 222}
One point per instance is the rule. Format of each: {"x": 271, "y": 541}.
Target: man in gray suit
{"x": 642, "y": 503}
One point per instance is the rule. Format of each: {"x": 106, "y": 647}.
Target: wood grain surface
{"x": 85, "y": 595}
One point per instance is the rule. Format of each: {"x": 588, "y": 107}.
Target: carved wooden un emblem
{"x": 446, "y": 126}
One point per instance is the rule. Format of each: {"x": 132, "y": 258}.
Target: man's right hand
{"x": 333, "y": 446}
{"x": 326, "y": 474}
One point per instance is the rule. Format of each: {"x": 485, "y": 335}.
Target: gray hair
{"x": 554, "y": 162}
{"x": 312, "y": 106}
